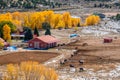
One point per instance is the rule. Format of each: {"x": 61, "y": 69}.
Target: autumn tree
{"x": 92, "y": 20}
{"x": 29, "y": 71}
{"x": 67, "y": 19}
{"x": 36, "y": 19}
{"x": 75, "y": 22}
{"x": 1, "y": 44}
{"x": 10, "y": 24}
{"x": 6, "y": 32}
{"x": 60, "y": 24}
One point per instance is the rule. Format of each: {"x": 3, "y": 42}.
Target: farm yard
{"x": 100, "y": 60}
{"x": 75, "y": 48}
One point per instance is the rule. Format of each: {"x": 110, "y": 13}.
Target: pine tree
{"x": 36, "y": 31}
{"x": 47, "y": 32}
{"x": 46, "y": 25}
{"x": 28, "y": 34}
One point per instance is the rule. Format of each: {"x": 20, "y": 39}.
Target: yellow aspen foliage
{"x": 6, "y": 32}
{"x": 75, "y": 22}
{"x": 56, "y": 19}
{"x": 1, "y": 44}
{"x": 97, "y": 19}
{"x": 26, "y": 19}
{"x": 36, "y": 20}
{"x": 16, "y": 16}
{"x": 17, "y": 23}
{"x": 92, "y": 20}
{"x": 6, "y": 17}
{"x": 67, "y": 19}
{"x": 60, "y": 24}
{"x": 29, "y": 71}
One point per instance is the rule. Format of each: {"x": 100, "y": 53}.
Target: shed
{"x": 43, "y": 42}
{"x": 108, "y": 40}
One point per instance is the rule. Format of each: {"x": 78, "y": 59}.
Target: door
{"x": 36, "y": 45}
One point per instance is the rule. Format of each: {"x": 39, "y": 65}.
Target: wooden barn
{"x": 43, "y": 42}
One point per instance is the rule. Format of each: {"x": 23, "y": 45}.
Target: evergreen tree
{"x": 46, "y": 25}
{"x": 36, "y": 31}
{"x": 47, "y": 32}
{"x": 118, "y": 17}
{"x": 28, "y": 34}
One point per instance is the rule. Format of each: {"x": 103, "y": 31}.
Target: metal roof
{"x": 46, "y": 39}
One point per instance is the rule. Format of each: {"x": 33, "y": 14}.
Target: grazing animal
{"x": 81, "y": 61}
{"x": 75, "y": 52}
{"x": 100, "y": 58}
{"x": 81, "y": 69}
{"x": 72, "y": 55}
{"x": 65, "y": 60}
{"x": 63, "y": 44}
{"x": 62, "y": 63}
{"x": 76, "y": 48}
{"x": 71, "y": 65}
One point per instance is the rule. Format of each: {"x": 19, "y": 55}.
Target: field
{"x": 95, "y": 52}
{"x": 100, "y": 60}
{"x": 18, "y": 57}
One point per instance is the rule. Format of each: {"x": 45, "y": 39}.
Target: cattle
{"x": 81, "y": 61}
{"x": 71, "y": 65}
{"x": 81, "y": 69}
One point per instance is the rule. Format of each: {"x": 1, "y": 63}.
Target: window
{"x": 30, "y": 44}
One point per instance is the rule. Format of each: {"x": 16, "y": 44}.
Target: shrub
{"x": 29, "y": 71}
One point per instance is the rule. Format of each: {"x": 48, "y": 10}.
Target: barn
{"x": 43, "y": 42}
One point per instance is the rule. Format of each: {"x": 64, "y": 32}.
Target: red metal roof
{"x": 47, "y": 39}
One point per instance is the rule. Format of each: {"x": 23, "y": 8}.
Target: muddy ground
{"x": 96, "y": 52}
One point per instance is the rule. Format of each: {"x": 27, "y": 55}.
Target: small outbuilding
{"x": 108, "y": 40}
{"x": 43, "y": 42}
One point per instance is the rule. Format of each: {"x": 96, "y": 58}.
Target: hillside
{"x": 35, "y": 4}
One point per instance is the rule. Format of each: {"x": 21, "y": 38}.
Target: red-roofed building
{"x": 43, "y": 42}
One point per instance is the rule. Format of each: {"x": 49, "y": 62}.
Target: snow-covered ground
{"x": 105, "y": 27}
{"x": 90, "y": 74}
